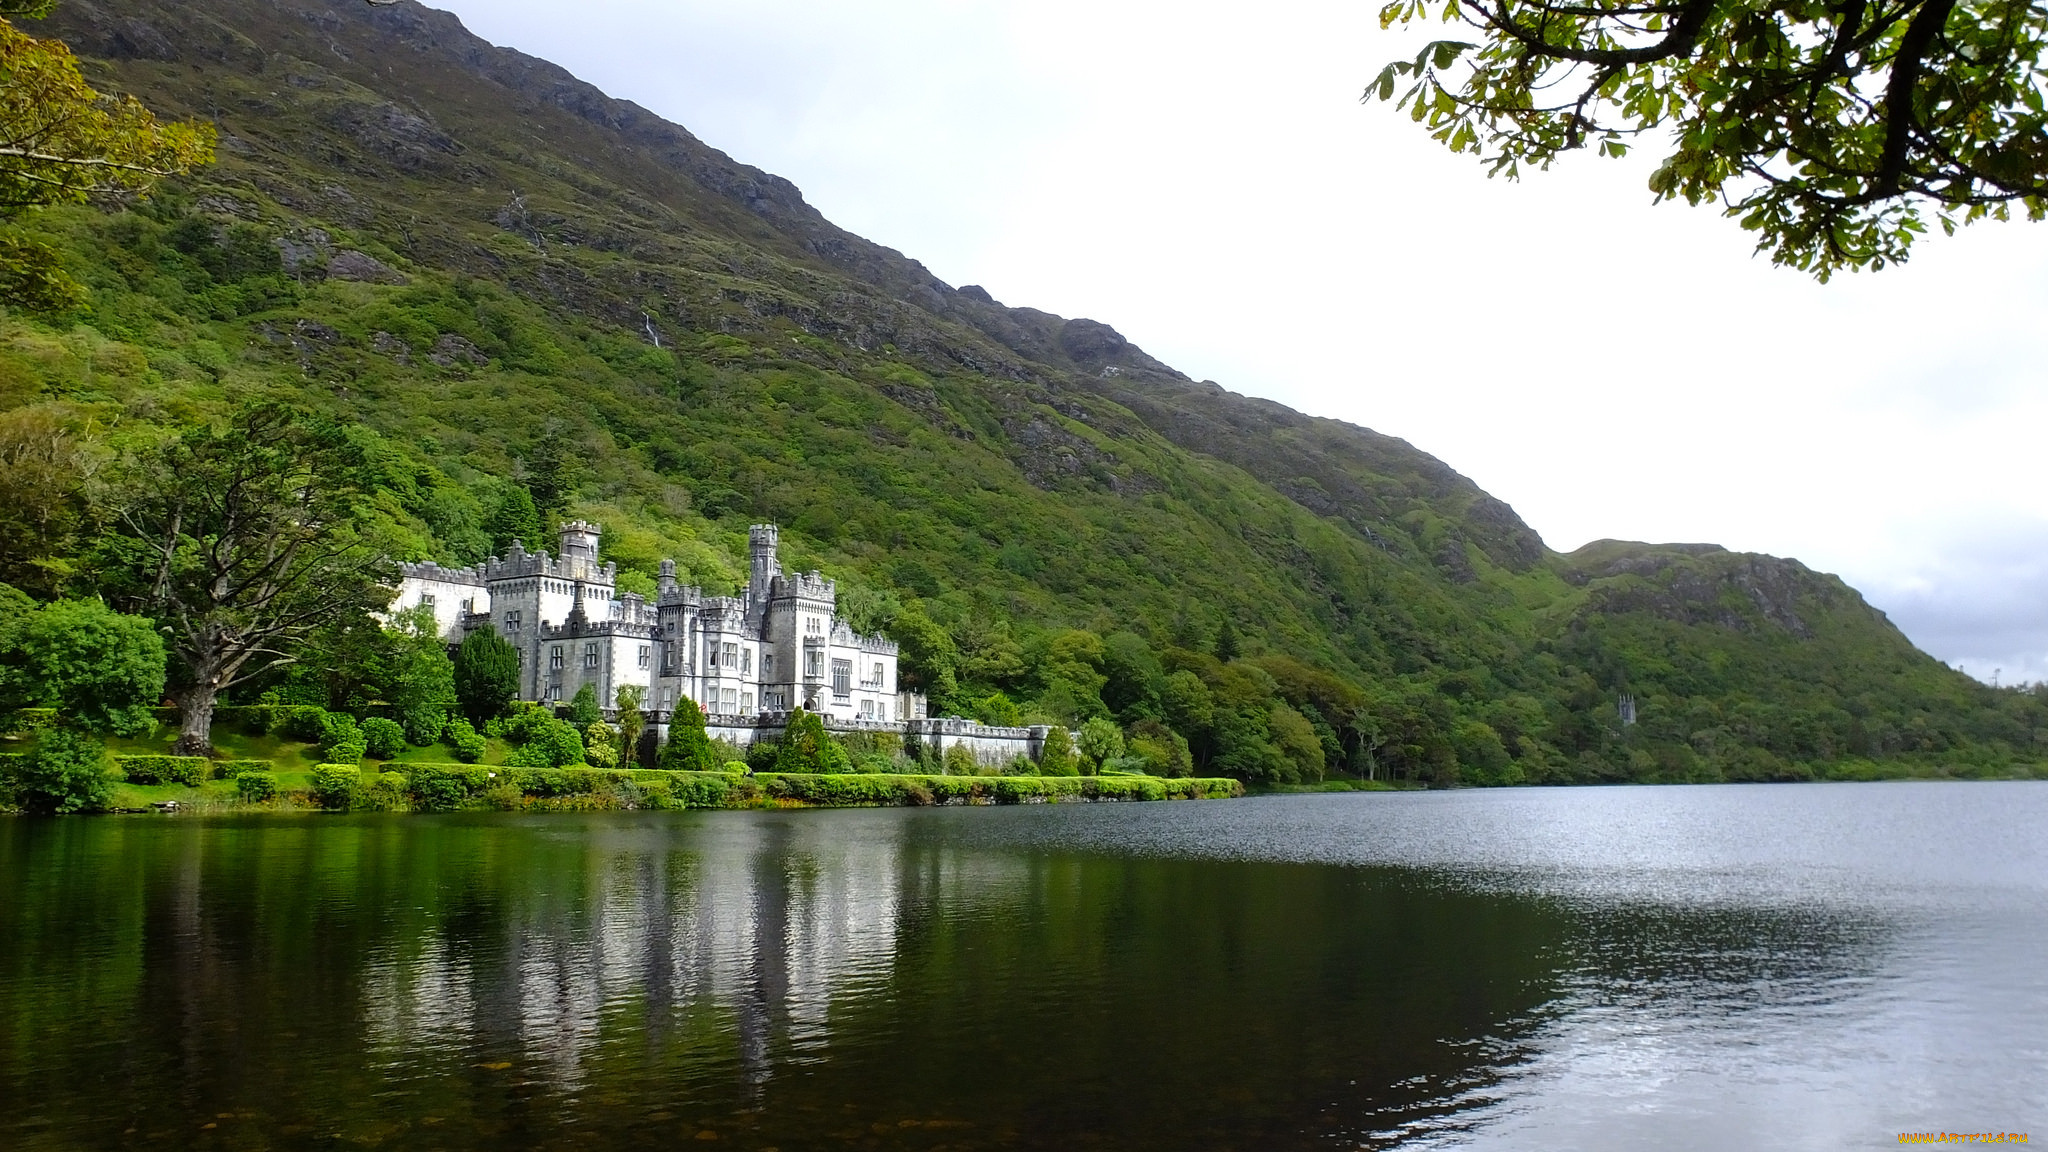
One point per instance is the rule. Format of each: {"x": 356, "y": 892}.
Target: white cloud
{"x": 1203, "y": 177}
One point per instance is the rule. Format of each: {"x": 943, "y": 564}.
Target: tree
{"x": 67, "y": 773}
{"x": 688, "y": 748}
{"x": 1056, "y": 758}
{"x": 583, "y": 709}
{"x": 1827, "y": 128}
{"x": 1227, "y": 647}
{"x": 418, "y": 678}
{"x": 807, "y": 747}
{"x": 1101, "y": 741}
{"x": 102, "y": 671}
{"x": 514, "y": 517}
{"x": 550, "y": 474}
{"x": 44, "y": 469}
{"x": 63, "y": 143}
{"x": 240, "y": 541}
{"x": 486, "y": 674}
{"x": 627, "y": 700}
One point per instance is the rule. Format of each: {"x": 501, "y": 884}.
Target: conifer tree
{"x": 688, "y": 748}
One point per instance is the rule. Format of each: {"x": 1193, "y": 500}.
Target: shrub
{"x": 437, "y": 788}
{"x": 503, "y": 797}
{"x": 1057, "y": 757}
{"x": 229, "y": 769}
{"x": 383, "y": 739}
{"x": 385, "y": 791}
{"x": 350, "y": 753}
{"x": 335, "y": 786}
{"x": 600, "y": 745}
{"x": 550, "y": 744}
{"x": 422, "y": 723}
{"x": 304, "y": 722}
{"x": 959, "y": 761}
{"x": 469, "y": 747}
{"x": 67, "y": 773}
{"x": 256, "y": 787}
{"x": 191, "y": 771}
{"x": 528, "y": 721}
{"x": 806, "y": 747}
{"x": 338, "y": 730}
{"x": 736, "y": 768}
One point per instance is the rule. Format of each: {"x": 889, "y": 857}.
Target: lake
{"x": 1758, "y": 967}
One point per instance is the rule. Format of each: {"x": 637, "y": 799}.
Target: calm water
{"x": 1815, "y": 966}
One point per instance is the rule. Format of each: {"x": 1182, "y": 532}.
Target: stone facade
{"x": 747, "y": 660}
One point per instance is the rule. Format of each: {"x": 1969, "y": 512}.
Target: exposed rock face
{"x": 349, "y": 264}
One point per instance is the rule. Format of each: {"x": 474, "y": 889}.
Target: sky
{"x": 1203, "y": 177}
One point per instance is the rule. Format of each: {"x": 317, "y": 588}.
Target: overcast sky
{"x": 1203, "y": 177}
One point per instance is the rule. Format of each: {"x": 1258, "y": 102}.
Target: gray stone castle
{"x": 745, "y": 659}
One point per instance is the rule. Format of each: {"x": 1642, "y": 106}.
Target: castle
{"x": 744, "y": 659}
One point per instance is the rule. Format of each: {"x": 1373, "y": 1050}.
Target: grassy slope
{"x": 914, "y": 440}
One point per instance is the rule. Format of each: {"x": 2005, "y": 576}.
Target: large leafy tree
{"x": 1832, "y": 128}
{"x": 63, "y": 143}
{"x": 102, "y": 671}
{"x": 240, "y": 541}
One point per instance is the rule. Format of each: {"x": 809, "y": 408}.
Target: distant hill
{"x": 500, "y": 272}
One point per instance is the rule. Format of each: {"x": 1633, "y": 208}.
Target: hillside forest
{"x": 445, "y": 296}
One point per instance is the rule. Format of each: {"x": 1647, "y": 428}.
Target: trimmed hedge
{"x": 897, "y": 789}
{"x": 191, "y": 771}
{"x": 229, "y": 769}
{"x": 256, "y": 787}
{"x": 335, "y": 786}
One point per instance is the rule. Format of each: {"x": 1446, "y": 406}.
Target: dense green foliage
{"x": 101, "y": 670}
{"x": 486, "y": 674}
{"x": 1056, "y": 528}
{"x": 688, "y": 748}
{"x": 67, "y": 773}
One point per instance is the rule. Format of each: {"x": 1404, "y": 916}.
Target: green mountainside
{"x": 517, "y": 287}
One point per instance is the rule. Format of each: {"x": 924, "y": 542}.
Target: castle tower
{"x": 761, "y": 539}
{"x": 579, "y": 549}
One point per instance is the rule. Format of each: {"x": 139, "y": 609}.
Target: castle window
{"x": 747, "y": 704}
{"x": 590, "y": 655}
{"x": 426, "y": 599}
{"x": 554, "y": 693}
{"x": 643, "y": 655}
{"x": 767, "y": 663}
{"x": 555, "y": 657}
{"x": 468, "y": 606}
{"x": 882, "y": 710}
{"x": 814, "y": 663}
{"x": 746, "y": 660}
{"x": 668, "y": 697}
{"x": 867, "y": 709}
{"x": 711, "y": 655}
{"x": 732, "y": 655}
{"x": 842, "y": 677}
{"x": 732, "y": 700}
{"x": 877, "y": 681}
{"x": 511, "y": 621}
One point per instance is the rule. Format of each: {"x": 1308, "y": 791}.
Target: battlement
{"x": 518, "y": 564}
{"x": 807, "y": 586}
{"x": 428, "y": 570}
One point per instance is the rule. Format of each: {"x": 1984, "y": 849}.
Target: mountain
{"x": 509, "y": 280}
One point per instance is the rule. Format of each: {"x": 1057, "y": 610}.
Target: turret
{"x": 761, "y": 539}
{"x": 579, "y": 541}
